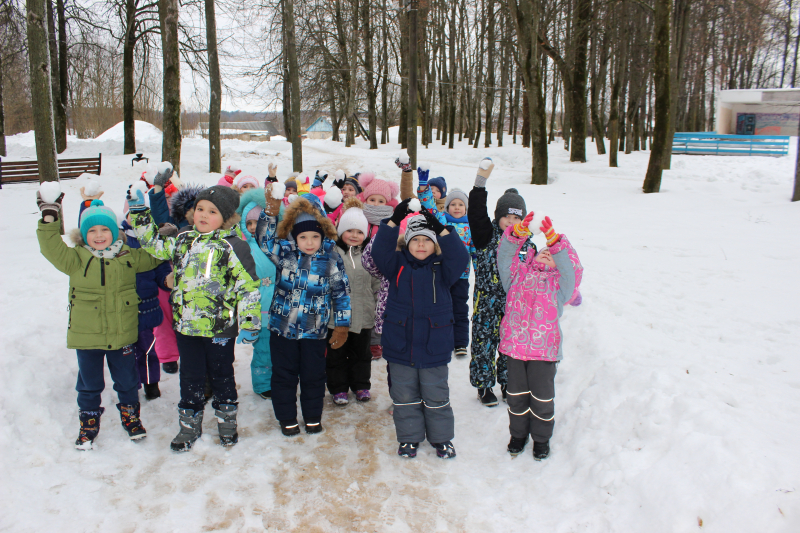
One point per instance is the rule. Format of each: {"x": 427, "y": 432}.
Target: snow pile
{"x": 144, "y": 131}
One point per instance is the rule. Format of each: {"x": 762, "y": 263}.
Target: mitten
{"x": 247, "y": 337}
{"x": 272, "y": 191}
{"x": 339, "y": 337}
{"x": 484, "y": 171}
{"x": 168, "y": 230}
{"x": 549, "y": 232}
{"x": 400, "y": 212}
{"x": 135, "y": 198}
{"x": 432, "y": 221}
{"x": 163, "y": 176}
{"x": 422, "y": 173}
{"x": 319, "y": 179}
{"x": 338, "y": 178}
{"x": 521, "y": 229}
{"x": 48, "y": 199}
{"x": 402, "y": 162}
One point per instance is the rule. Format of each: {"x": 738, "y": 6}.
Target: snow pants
{"x": 261, "y": 365}
{"x": 121, "y": 365}
{"x": 146, "y": 358}
{"x": 421, "y": 399}
{"x": 484, "y": 371}
{"x": 459, "y": 293}
{"x": 166, "y": 345}
{"x": 350, "y": 367}
{"x": 531, "y": 393}
{"x": 201, "y": 356}
{"x": 293, "y": 361}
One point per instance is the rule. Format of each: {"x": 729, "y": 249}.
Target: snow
{"x": 50, "y": 191}
{"x": 339, "y": 175}
{"x": 414, "y": 205}
{"x": 424, "y": 166}
{"x": 536, "y": 222}
{"x": 486, "y": 163}
{"x": 676, "y": 402}
{"x": 278, "y": 190}
{"x": 144, "y": 132}
{"x": 92, "y": 186}
{"x": 163, "y": 167}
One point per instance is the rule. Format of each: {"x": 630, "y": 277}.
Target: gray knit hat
{"x": 511, "y": 203}
{"x": 456, "y": 194}
{"x": 224, "y": 198}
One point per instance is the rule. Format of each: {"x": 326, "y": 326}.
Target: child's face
{"x": 421, "y": 247}
{"x": 251, "y": 227}
{"x": 289, "y": 191}
{"x": 348, "y": 191}
{"x": 436, "y": 192}
{"x": 190, "y": 216}
{"x": 545, "y": 258}
{"x": 207, "y": 217}
{"x": 457, "y": 209}
{"x": 99, "y": 237}
{"x": 353, "y": 237}
{"x": 508, "y": 220}
{"x": 376, "y": 199}
{"x": 309, "y": 242}
{"x": 246, "y": 187}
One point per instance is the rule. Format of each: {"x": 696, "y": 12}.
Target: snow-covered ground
{"x": 677, "y": 403}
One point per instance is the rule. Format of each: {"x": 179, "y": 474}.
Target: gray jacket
{"x": 363, "y": 290}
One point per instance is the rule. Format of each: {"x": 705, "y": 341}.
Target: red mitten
{"x": 521, "y": 229}
{"x": 549, "y": 232}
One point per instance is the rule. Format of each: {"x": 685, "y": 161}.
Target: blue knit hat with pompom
{"x": 99, "y": 214}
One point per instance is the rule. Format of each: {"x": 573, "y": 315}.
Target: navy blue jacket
{"x": 159, "y": 208}
{"x": 147, "y": 284}
{"x": 418, "y": 321}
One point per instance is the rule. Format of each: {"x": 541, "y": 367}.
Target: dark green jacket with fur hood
{"x": 103, "y": 304}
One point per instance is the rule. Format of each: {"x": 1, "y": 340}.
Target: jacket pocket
{"x": 440, "y": 338}
{"x": 128, "y": 308}
{"x": 86, "y": 313}
{"x": 394, "y": 329}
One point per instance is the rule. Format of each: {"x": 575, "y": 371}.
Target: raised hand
{"x": 403, "y": 162}
{"x": 432, "y": 221}
{"x": 135, "y": 198}
{"x": 422, "y": 174}
{"x": 400, "y": 212}
{"x": 522, "y": 229}
{"x": 549, "y": 232}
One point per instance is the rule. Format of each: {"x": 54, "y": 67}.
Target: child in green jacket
{"x": 103, "y": 310}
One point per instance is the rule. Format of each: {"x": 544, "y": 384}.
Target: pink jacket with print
{"x": 536, "y": 294}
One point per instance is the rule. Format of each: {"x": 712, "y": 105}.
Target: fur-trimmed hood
{"x": 303, "y": 205}
{"x": 182, "y": 201}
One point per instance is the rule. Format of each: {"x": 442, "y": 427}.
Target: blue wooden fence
{"x": 719, "y": 144}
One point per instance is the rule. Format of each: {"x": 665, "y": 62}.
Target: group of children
{"x": 320, "y": 281}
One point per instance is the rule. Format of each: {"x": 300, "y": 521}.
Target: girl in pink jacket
{"x": 530, "y": 335}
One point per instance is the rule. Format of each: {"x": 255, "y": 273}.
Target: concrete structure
{"x": 758, "y": 112}
{"x": 320, "y": 129}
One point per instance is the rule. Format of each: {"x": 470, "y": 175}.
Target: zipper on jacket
{"x": 102, "y": 273}
{"x": 89, "y": 262}
{"x": 434, "y": 281}
{"x": 411, "y": 358}
{"x": 351, "y": 257}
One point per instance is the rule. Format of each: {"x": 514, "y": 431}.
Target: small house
{"x": 758, "y": 112}
{"x": 320, "y": 129}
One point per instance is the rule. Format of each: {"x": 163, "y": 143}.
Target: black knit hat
{"x": 224, "y": 198}
{"x": 511, "y": 203}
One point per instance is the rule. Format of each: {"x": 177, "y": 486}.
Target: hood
{"x": 182, "y": 201}
{"x": 303, "y": 205}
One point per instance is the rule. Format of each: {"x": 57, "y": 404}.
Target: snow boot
{"x": 267, "y": 395}
{"x": 487, "y": 397}
{"x": 340, "y": 398}
{"x": 461, "y": 351}
{"x": 517, "y": 445}
{"x": 170, "y": 368}
{"x": 191, "y": 429}
{"x": 377, "y": 351}
{"x": 313, "y": 426}
{"x": 445, "y": 450}
{"x": 129, "y": 414}
{"x": 504, "y": 392}
{"x": 408, "y": 449}
{"x": 541, "y": 450}
{"x": 151, "y": 391}
{"x": 290, "y": 428}
{"x": 363, "y": 396}
{"x": 226, "y": 422}
{"x": 90, "y": 427}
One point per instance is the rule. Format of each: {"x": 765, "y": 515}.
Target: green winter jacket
{"x": 215, "y": 278}
{"x": 103, "y": 304}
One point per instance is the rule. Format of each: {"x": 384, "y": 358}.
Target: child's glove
{"x": 400, "y": 212}
{"x": 422, "y": 174}
{"x": 432, "y": 221}
{"x": 272, "y": 170}
{"x": 339, "y": 337}
{"x": 338, "y": 178}
{"x": 274, "y": 204}
{"x": 522, "y": 229}
{"x": 319, "y": 180}
{"x": 549, "y": 232}
{"x": 247, "y": 337}
{"x": 87, "y": 197}
{"x": 168, "y": 230}
{"x": 135, "y": 198}
{"x": 162, "y": 177}
{"x": 403, "y": 163}
{"x": 484, "y": 171}
{"x": 50, "y": 203}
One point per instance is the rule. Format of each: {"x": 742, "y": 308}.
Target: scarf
{"x": 453, "y": 220}
{"x": 376, "y": 213}
{"x": 109, "y": 253}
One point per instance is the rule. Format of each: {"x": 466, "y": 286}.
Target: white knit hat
{"x": 353, "y": 217}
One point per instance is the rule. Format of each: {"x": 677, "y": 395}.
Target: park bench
{"x": 719, "y": 144}
{"x": 21, "y": 171}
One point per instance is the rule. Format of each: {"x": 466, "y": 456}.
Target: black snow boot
{"x": 226, "y": 422}
{"x": 517, "y": 445}
{"x": 290, "y": 428}
{"x": 170, "y": 368}
{"x": 151, "y": 391}
{"x": 487, "y": 397}
{"x": 445, "y": 450}
{"x": 541, "y": 450}
{"x": 129, "y": 414}
{"x": 90, "y": 427}
{"x": 408, "y": 449}
{"x": 313, "y": 426}
{"x": 191, "y": 429}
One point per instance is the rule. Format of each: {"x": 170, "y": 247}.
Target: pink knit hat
{"x": 225, "y": 180}
{"x": 374, "y": 186}
{"x": 253, "y": 214}
{"x": 241, "y": 180}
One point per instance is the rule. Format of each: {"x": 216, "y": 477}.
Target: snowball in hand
{"x": 339, "y": 175}
{"x": 163, "y": 167}
{"x": 92, "y": 188}
{"x": 424, "y": 166}
{"x": 278, "y": 190}
{"x": 140, "y": 185}
{"x": 414, "y": 205}
{"x": 486, "y": 163}
{"x": 536, "y": 222}
{"x": 333, "y": 197}
{"x": 50, "y": 191}
{"x": 403, "y": 157}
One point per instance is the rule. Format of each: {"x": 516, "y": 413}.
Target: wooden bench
{"x": 720, "y": 144}
{"x": 21, "y": 171}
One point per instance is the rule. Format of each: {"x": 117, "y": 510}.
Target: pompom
{"x": 333, "y": 197}
{"x": 50, "y": 191}
{"x": 394, "y": 188}
{"x": 92, "y": 188}
{"x": 278, "y": 190}
{"x": 486, "y": 163}
{"x": 162, "y": 167}
{"x": 365, "y": 179}
{"x": 424, "y": 166}
{"x": 536, "y": 222}
{"x": 339, "y": 175}
{"x": 403, "y": 157}
{"x": 414, "y": 205}
{"x": 291, "y": 198}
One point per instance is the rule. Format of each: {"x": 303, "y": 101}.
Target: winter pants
{"x": 296, "y": 360}
{"x": 261, "y": 365}
{"x": 459, "y": 293}
{"x": 166, "y": 345}
{"x": 146, "y": 358}
{"x": 421, "y": 399}
{"x": 531, "y": 392}
{"x": 350, "y": 366}
{"x": 487, "y": 314}
{"x": 201, "y": 356}
{"x": 91, "y": 383}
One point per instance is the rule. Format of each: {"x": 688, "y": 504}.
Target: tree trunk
{"x": 215, "y": 104}
{"x": 41, "y": 97}
{"x": 526, "y": 121}
{"x": 501, "y": 112}
{"x": 334, "y": 115}
{"x": 676, "y": 73}
{"x": 294, "y": 78}
{"x": 372, "y": 95}
{"x": 62, "y": 62}
{"x": 2, "y": 121}
{"x": 453, "y": 86}
{"x": 385, "y": 80}
{"x": 128, "y": 45}
{"x": 412, "y": 84}
{"x": 581, "y": 25}
{"x": 661, "y": 78}
{"x": 490, "y": 80}
{"x": 59, "y": 113}
{"x": 172, "y": 135}
{"x": 515, "y": 110}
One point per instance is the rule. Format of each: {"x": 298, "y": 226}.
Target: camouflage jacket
{"x": 215, "y": 279}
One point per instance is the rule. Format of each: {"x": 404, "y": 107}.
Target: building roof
{"x": 321, "y": 124}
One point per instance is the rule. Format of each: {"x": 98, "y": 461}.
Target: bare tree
{"x": 172, "y": 134}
